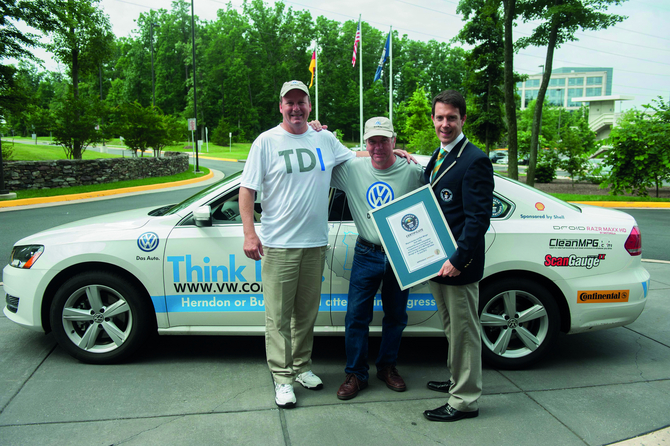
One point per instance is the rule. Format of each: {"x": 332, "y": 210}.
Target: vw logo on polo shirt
{"x": 446, "y": 195}
{"x": 379, "y": 194}
{"x": 148, "y": 241}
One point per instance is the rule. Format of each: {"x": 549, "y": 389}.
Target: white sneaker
{"x": 284, "y": 396}
{"x": 309, "y": 380}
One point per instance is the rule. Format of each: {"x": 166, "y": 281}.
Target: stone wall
{"x": 21, "y": 175}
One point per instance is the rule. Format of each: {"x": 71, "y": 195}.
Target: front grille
{"x": 12, "y": 303}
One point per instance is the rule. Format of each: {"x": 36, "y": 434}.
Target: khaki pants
{"x": 292, "y": 294}
{"x": 458, "y": 307}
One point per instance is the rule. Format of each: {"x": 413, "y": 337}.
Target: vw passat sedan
{"x": 102, "y": 285}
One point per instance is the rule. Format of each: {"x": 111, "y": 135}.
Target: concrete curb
{"x": 102, "y": 193}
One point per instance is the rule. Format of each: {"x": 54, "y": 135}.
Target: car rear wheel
{"x": 99, "y": 318}
{"x": 519, "y": 320}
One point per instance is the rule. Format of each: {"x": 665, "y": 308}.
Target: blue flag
{"x": 382, "y": 61}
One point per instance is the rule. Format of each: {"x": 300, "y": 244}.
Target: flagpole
{"x": 316, "y": 79}
{"x": 360, "y": 83}
{"x": 391, "y": 75}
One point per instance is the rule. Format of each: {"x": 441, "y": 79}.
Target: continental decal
{"x": 574, "y": 261}
{"x": 593, "y": 297}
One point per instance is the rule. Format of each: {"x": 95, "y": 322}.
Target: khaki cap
{"x": 293, "y": 85}
{"x": 378, "y": 126}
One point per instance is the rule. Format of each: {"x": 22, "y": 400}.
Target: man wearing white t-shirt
{"x": 291, "y": 166}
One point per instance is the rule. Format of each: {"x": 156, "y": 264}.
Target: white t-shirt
{"x": 293, "y": 174}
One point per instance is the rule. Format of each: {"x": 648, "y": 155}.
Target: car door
{"x": 421, "y": 305}
{"x": 208, "y": 279}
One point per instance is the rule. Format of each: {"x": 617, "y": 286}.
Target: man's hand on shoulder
{"x": 403, "y": 154}
{"x": 317, "y": 126}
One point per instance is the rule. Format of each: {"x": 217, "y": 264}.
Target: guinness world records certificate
{"x": 415, "y": 235}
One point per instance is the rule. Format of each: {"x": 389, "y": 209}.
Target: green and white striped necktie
{"x": 438, "y": 163}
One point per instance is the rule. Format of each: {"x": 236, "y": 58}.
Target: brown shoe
{"x": 351, "y": 386}
{"x": 392, "y": 378}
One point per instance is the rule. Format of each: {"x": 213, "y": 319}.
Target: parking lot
{"x": 596, "y": 388}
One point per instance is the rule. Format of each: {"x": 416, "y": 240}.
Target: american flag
{"x": 358, "y": 39}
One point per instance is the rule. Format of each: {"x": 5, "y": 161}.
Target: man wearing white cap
{"x": 370, "y": 183}
{"x": 291, "y": 165}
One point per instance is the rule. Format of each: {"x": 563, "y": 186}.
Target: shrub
{"x": 545, "y": 173}
{"x": 7, "y": 151}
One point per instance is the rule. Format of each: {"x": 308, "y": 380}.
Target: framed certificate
{"x": 416, "y": 237}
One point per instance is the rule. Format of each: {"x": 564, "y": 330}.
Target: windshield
{"x": 222, "y": 185}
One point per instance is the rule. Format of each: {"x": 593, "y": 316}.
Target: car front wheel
{"x": 99, "y": 318}
{"x": 519, "y": 321}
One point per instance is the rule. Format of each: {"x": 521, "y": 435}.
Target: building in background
{"x": 572, "y": 87}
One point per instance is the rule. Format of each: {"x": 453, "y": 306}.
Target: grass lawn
{"x": 38, "y": 193}
{"x": 32, "y": 152}
{"x": 238, "y": 151}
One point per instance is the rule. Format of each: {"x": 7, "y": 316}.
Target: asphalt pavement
{"x": 596, "y": 388}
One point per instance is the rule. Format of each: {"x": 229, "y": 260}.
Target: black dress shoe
{"x": 448, "y": 413}
{"x": 440, "y": 386}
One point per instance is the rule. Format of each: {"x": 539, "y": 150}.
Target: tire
{"x": 520, "y": 322}
{"x": 99, "y": 318}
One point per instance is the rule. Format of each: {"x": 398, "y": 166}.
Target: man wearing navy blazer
{"x": 461, "y": 176}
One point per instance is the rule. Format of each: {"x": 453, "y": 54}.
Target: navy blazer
{"x": 465, "y": 195}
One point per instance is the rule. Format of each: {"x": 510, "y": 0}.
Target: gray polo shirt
{"x": 368, "y": 188}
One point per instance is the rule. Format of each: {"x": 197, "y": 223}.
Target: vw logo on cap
{"x": 379, "y": 194}
{"x": 148, "y": 241}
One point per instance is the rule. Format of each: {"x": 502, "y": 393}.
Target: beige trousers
{"x": 292, "y": 294}
{"x": 458, "y": 307}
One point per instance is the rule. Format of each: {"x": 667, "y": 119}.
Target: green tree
{"x": 485, "y": 70}
{"x": 82, "y": 37}
{"x": 82, "y": 40}
{"x": 419, "y": 129}
{"x": 144, "y": 128}
{"x": 509, "y": 15}
{"x": 559, "y": 21}
{"x": 640, "y": 154}
{"x": 16, "y": 44}
{"x": 575, "y": 141}
{"x": 74, "y": 121}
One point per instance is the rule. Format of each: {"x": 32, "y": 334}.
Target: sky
{"x": 638, "y": 49}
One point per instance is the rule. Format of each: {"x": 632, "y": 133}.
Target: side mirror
{"x": 203, "y": 216}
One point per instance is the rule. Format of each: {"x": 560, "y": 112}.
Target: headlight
{"x": 25, "y": 256}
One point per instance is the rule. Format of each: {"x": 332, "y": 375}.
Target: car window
{"x": 226, "y": 210}
{"x": 338, "y": 208}
{"x": 223, "y": 184}
{"x": 502, "y": 207}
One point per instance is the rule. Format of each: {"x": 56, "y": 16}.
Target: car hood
{"x": 118, "y": 221}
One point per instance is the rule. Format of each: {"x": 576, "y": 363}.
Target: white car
{"x": 102, "y": 285}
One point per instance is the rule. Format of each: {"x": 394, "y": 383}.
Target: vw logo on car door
{"x": 148, "y": 241}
